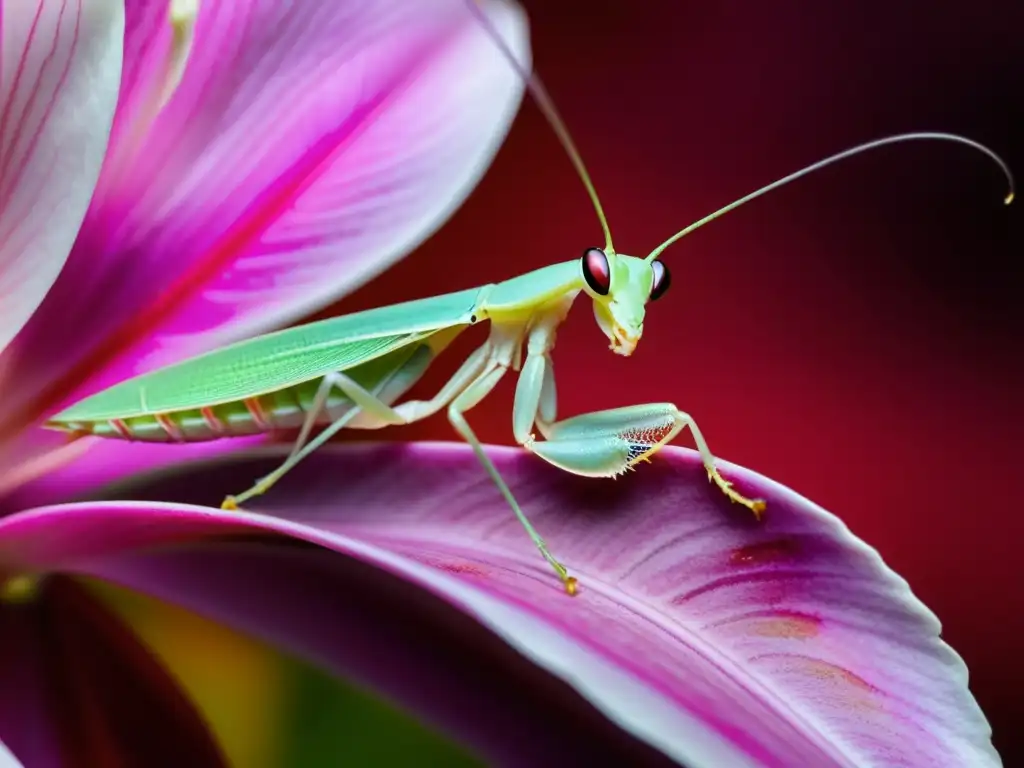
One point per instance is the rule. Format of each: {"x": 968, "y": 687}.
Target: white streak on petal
{"x": 60, "y": 70}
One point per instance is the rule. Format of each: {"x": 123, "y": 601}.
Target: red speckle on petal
{"x": 461, "y": 569}
{"x": 788, "y": 625}
{"x": 820, "y": 670}
{"x": 765, "y": 552}
{"x": 783, "y": 624}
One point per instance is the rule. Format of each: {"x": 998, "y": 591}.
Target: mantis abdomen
{"x": 283, "y": 409}
{"x": 388, "y": 376}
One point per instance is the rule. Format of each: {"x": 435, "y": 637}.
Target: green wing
{"x": 277, "y": 360}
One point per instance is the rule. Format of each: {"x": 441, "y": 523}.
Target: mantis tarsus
{"x": 352, "y": 371}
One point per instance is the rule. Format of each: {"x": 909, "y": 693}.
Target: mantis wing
{"x": 275, "y": 361}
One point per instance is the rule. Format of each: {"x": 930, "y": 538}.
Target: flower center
{"x": 22, "y": 588}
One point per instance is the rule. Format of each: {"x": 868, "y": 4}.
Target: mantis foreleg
{"x": 605, "y": 443}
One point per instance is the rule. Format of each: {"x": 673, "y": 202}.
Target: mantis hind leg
{"x": 605, "y": 443}
{"x": 390, "y": 386}
{"x": 369, "y": 409}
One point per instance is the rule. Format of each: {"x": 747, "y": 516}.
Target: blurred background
{"x": 856, "y": 336}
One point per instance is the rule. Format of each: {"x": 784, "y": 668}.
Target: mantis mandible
{"x": 352, "y": 371}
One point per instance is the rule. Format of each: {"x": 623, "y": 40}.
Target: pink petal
{"x": 94, "y": 464}
{"x": 719, "y": 640}
{"x": 60, "y": 66}
{"x": 78, "y": 688}
{"x": 309, "y": 146}
{"x": 456, "y": 675}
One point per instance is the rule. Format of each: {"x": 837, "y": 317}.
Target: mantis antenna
{"x": 547, "y": 107}
{"x": 922, "y": 136}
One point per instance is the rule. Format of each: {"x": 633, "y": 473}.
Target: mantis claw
{"x": 262, "y": 486}
{"x": 757, "y": 506}
{"x": 571, "y": 585}
{"x": 570, "y": 582}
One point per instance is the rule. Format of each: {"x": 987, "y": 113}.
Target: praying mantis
{"x": 351, "y": 372}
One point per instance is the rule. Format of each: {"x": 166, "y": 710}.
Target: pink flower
{"x": 306, "y": 146}
{"x": 264, "y": 158}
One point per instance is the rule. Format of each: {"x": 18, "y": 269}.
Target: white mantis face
{"x": 621, "y": 286}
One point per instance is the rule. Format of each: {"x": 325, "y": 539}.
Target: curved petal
{"x": 308, "y": 146}
{"x": 718, "y": 640}
{"x": 415, "y": 648}
{"x": 60, "y": 67}
{"x": 79, "y": 689}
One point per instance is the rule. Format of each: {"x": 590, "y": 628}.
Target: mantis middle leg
{"x": 473, "y": 394}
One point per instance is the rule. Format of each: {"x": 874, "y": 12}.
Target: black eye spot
{"x": 596, "y": 271}
{"x": 662, "y": 280}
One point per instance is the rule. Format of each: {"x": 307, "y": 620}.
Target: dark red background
{"x": 856, "y": 336}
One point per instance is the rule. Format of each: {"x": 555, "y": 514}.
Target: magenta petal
{"x": 79, "y": 689}
{"x": 60, "y": 66}
{"x": 309, "y": 145}
{"x": 100, "y": 463}
{"x": 716, "y": 639}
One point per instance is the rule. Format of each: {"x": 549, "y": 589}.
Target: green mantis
{"x": 351, "y": 372}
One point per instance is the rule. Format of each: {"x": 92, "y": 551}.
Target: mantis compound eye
{"x": 662, "y": 280}
{"x": 597, "y": 271}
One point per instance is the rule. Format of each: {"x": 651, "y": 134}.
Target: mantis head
{"x": 620, "y": 287}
